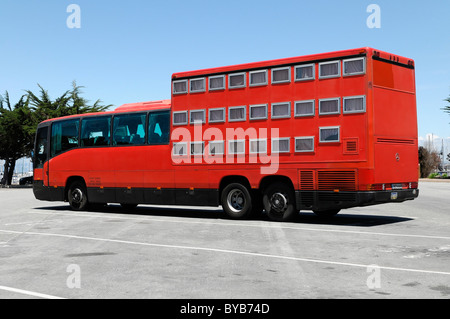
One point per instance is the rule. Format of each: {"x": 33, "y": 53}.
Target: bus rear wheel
{"x": 77, "y": 196}
{"x": 279, "y": 202}
{"x": 236, "y": 201}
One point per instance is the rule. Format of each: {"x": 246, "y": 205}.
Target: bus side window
{"x": 95, "y": 131}
{"x": 159, "y": 128}
{"x": 129, "y": 129}
{"x": 64, "y": 136}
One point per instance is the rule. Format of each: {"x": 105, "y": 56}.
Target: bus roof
{"x": 130, "y": 107}
{"x": 290, "y": 61}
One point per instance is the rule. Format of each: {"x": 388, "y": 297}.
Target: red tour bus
{"x": 319, "y": 132}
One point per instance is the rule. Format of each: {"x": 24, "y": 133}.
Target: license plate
{"x": 397, "y": 186}
{"x": 394, "y": 195}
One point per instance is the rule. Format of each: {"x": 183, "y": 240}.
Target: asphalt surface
{"x": 386, "y": 251}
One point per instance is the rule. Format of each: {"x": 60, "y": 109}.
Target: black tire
{"x": 236, "y": 201}
{"x": 279, "y": 202}
{"x": 77, "y": 196}
{"x": 327, "y": 213}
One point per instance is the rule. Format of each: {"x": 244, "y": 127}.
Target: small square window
{"x": 180, "y": 118}
{"x": 237, "y": 113}
{"x": 197, "y": 148}
{"x": 329, "y": 106}
{"x": 216, "y": 148}
{"x": 281, "y": 75}
{"x": 329, "y": 69}
{"x": 180, "y": 87}
{"x": 237, "y": 80}
{"x": 198, "y": 117}
{"x": 355, "y": 104}
{"x": 281, "y": 145}
{"x": 305, "y": 72}
{"x": 354, "y": 66}
{"x": 180, "y": 149}
{"x": 236, "y": 147}
{"x": 258, "y": 146}
{"x": 329, "y": 134}
{"x": 217, "y": 115}
{"x": 258, "y": 112}
{"x": 305, "y": 108}
{"x": 281, "y": 110}
{"x": 304, "y": 144}
{"x": 197, "y": 85}
{"x": 217, "y": 82}
{"x": 258, "y": 78}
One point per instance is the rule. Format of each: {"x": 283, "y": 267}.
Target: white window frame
{"x": 237, "y": 86}
{"x": 329, "y": 127}
{"x": 281, "y": 69}
{"x": 229, "y": 148}
{"x": 257, "y": 141}
{"x": 331, "y": 99}
{"x": 287, "y": 116}
{"x": 216, "y": 142}
{"x": 179, "y": 81}
{"x": 235, "y": 108}
{"x": 185, "y": 144}
{"x": 278, "y": 140}
{"x": 333, "y": 75}
{"x": 257, "y": 118}
{"x": 183, "y": 123}
{"x": 304, "y": 138}
{"x": 354, "y": 97}
{"x": 304, "y": 115}
{"x": 216, "y": 77}
{"x": 313, "y": 65}
{"x": 216, "y": 121}
{"x": 355, "y": 73}
{"x": 197, "y": 91}
{"x": 257, "y": 84}
{"x": 192, "y": 148}
{"x": 203, "y": 118}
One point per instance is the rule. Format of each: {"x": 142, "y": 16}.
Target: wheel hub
{"x": 279, "y": 202}
{"x": 77, "y": 196}
{"x": 236, "y": 200}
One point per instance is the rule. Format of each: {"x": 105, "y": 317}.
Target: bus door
{"x": 40, "y": 158}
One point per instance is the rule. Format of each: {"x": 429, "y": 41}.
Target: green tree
{"x": 69, "y": 103}
{"x": 17, "y": 129}
{"x": 428, "y": 161}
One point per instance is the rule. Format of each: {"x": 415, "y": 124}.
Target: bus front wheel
{"x": 77, "y": 196}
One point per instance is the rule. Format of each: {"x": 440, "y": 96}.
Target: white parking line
{"x": 237, "y": 252}
{"x": 243, "y": 224}
{"x": 29, "y": 293}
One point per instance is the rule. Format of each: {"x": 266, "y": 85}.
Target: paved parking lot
{"x": 386, "y": 251}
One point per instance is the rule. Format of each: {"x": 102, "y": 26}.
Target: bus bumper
{"x": 52, "y": 194}
{"x": 323, "y": 200}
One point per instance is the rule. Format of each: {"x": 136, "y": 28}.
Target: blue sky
{"x": 126, "y": 51}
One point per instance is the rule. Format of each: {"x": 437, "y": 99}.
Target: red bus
{"x": 320, "y": 132}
